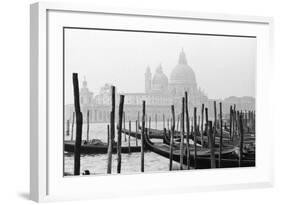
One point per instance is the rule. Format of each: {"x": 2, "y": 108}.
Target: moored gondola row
{"x": 220, "y": 145}
{"x": 190, "y": 140}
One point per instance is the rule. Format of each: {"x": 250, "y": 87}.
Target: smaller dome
{"x": 159, "y": 77}
{"x": 159, "y": 81}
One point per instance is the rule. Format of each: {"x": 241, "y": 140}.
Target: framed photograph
{"x": 128, "y": 102}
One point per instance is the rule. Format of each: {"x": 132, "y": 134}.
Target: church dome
{"x": 183, "y": 73}
{"x": 159, "y": 77}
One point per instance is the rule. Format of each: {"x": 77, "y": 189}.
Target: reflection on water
{"x": 97, "y": 164}
{"x": 131, "y": 163}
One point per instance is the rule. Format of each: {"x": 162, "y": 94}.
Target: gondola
{"x": 156, "y": 134}
{"x": 88, "y": 148}
{"x": 249, "y": 143}
{"x": 203, "y": 155}
{"x": 226, "y": 141}
{"x": 246, "y": 130}
{"x": 159, "y": 134}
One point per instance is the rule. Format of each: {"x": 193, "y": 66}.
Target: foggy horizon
{"x": 223, "y": 66}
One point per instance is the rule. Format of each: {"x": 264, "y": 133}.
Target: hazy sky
{"x": 224, "y": 66}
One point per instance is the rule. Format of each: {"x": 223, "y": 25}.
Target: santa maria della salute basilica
{"x": 160, "y": 92}
{"x": 182, "y": 78}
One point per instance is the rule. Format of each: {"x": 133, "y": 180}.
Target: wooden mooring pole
{"x": 142, "y": 136}
{"x": 149, "y": 127}
{"x": 108, "y": 136}
{"x": 67, "y": 128}
{"x": 129, "y": 137}
{"x": 79, "y": 124}
{"x": 88, "y": 124}
{"x": 221, "y": 145}
{"x": 178, "y": 122}
{"x": 124, "y": 124}
{"x": 250, "y": 120}
{"x": 237, "y": 118}
{"x": 215, "y": 119}
{"x": 119, "y": 140}
{"x": 182, "y": 135}
{"x": 202, "y": 125}
{"x": 211, "y": 145}
{"x": 156, "y": 121}
{"x": 241, "y": 139}
{"x": 254, "y": 120}
{"x": 168, "y": 124}
{"x": 245, "y": 117}
{"x": 138, "y": 119}
{"x": 195, "y": 137}
{"x": 109, "y": 147}
{"x": 137, "y": 132}
{"x": 72, "y": 126}
{"x": 207, "y": 125}
{"x": 112, "y": 131}
{"x": 235, "y": 122}
{"x": 198, "y": 125}
{"x": 230, "y": 122}
{"x": 187, "y": 132}
{"x": 172, "y": 138}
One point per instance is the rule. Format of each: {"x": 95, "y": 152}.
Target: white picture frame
{"x": 46, "y": 178}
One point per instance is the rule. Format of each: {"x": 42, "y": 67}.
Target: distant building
{"x": 160, "y": 93}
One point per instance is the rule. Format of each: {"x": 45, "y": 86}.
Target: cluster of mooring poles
{"x": 189, "y": 138}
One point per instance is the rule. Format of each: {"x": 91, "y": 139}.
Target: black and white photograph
{"x": 149, "y": 101}
{"x": 140, "y": 102}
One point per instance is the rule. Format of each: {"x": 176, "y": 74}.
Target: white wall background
{"x": 14, "y": 101}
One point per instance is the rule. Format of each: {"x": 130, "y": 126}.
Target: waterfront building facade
{"x": 160, "y": 92}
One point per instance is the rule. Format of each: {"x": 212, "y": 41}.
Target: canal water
{"x": 131, "y": 163}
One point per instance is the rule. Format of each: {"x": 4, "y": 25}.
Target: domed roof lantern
{"x": 159, "y": 78}
{"x": 182, "y": 58}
